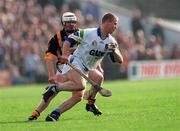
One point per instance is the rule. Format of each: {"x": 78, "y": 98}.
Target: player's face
{"x": 70, "y": 26}
{"x": 112, "y": 25}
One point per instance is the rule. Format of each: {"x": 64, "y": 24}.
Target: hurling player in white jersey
{"x": 94, "y": 44}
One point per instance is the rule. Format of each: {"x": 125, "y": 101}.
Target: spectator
{"x": 175, "y": 52}
{"x": 31, "y": 61}
{"x": 92, "y": 8}
{"x": 158, "y": 32}
{"x": 136, "y": 24}
{"x": 74, "y": 5}
{"x": 16, "y": 77}
{"x": 156, "y": 48}
{"x": 2, "y": 52}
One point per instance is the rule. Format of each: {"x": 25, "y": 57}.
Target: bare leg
{"x": 68, "y": 104}
{"x": 76, "y": 83}
{"x": 90, "y": 95}
{"x": 43, "y": 105}
{"x": 97, "y": 77}
{"x": 40, "y": 108}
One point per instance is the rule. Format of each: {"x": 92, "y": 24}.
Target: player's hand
{"x": 53, "y": 79}
{"x": 63, "y": 59}
{"x": 112, "y": 47}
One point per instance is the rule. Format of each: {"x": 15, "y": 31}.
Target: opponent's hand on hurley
{"x": 72, "y": 49}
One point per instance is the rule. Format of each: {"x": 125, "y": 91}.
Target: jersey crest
{"x": 94, "y": 43}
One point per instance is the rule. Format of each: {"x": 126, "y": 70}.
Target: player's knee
{"x": 78, "y": 96}
{"x": 98, "y": 78}
{"x": 81, "y": 88}
{"x": 101, "y": 77}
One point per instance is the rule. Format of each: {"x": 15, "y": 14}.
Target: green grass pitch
{"x": 151, "y": 105}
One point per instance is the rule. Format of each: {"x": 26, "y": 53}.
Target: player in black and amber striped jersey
{"x": 54, "y": 51}
{"x": 53, "y": 54}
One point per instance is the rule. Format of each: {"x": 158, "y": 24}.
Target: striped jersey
{"x": 55, "y": 44}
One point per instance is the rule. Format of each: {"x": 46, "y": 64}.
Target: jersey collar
{"x": 99, "y": 33}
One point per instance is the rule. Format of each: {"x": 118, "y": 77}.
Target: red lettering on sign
{"x": 150, "y": 70}
{"x": 172, "y": 69}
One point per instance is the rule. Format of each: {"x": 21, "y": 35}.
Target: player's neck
{"x": 103, "y": 33}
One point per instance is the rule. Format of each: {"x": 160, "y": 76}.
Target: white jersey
{"x": 91, "y": 48}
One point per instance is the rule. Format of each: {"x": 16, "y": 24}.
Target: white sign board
{"x": 138, "y": 70}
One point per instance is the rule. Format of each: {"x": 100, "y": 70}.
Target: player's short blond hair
{"x": 109, "y": 17}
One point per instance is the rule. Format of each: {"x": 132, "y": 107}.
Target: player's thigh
{"x": 76, "y": 78}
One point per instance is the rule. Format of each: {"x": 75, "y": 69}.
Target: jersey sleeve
{"x": 51, "y": 52}
{"x": 76, "y": 37}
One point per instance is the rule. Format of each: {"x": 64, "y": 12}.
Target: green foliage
{"x": 134, "y": 105}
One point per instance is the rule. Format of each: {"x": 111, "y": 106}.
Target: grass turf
{"x": 134, "y": 105}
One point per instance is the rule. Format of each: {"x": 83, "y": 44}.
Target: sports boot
{"x": 94, "y": 109}
{"x": 54, "y": 116}
{"x": 34, "y": 116}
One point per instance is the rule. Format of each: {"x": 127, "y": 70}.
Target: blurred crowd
{"x": 137, "y": 45}
{"x": 27, "y": 26}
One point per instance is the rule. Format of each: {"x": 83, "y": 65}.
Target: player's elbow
{"x": 120, "y": 61}
{"x": 77, "y": 96}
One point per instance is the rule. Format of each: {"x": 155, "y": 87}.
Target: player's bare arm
{"x": 51, "y": 72}
{"x": 118, "y": 56}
